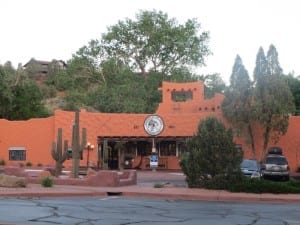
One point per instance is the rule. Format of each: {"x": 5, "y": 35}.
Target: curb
{"x": 218, "y": 198}
{"x": 215, "y": 196}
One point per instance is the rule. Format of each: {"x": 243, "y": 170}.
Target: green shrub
{"x": 298, "y": 169}
{"x": 39, "y": 165}
{"x": 47, "y": 182}
{"x": 294, "y": 183}
{"x": 158, "y": 185}
{"x": 265, "y": 186}
{"x": 236, "y": 183}
{"x": 222, "y": 182}
{"x": 205, "y": 160}
{"x": 216, "y": 183}
{"x": 48, "y": 91}
{"x": 2, "y": 162}
{"x": 29, "y": 164}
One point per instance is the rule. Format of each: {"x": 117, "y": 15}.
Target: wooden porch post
{"x": 105, "y": 155}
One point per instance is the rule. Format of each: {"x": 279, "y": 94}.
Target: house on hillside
{"x": 38, "y": 69}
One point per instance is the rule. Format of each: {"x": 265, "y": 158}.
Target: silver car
{"x": 250, "y": 168}
{"x": 275, "y": 166}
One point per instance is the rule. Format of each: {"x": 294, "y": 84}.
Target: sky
{"x": 56, "y": 29}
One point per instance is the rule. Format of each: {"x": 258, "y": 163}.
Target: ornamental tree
{"x": 212, "y": 153}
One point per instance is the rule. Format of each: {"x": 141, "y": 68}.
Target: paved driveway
{"x": 124, "y": 211}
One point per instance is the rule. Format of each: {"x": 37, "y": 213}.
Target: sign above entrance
{"x": 153, "y": 125}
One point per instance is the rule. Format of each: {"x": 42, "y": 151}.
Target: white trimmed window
{"x": 17, "y": 153}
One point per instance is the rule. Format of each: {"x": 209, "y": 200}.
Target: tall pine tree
{"x": 273, "y": 100}
{"x": 273, "y": 66}
{"x": 261, "y": 65}
{"x": 237, "y": 105}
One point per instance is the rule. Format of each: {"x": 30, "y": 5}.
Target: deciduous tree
{"x": 294, "y": 84}
{"x": 27, "y": 102}
{"x": 155, "y": 42}
{"x": 5, "y": 93}
{"x": 213, "y": 83}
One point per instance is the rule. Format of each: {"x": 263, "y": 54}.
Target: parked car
{"x": 275, "y": 165}
{"x": 251, "y": 168}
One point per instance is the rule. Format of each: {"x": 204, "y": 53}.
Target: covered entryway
{"x": 134, "y": 152}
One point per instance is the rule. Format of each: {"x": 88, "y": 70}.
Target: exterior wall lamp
{"x": 89, "y": 147}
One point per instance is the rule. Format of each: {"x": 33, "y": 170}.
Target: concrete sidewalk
{"x": 174, "y": 188}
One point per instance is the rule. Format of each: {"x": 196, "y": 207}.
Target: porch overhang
{"x": 143, "y": 138}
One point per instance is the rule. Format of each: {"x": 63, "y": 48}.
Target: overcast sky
{"x": 56, "y": 29}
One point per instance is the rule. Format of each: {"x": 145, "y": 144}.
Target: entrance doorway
{"x": 113, "y": 157}
{"x": 134, "y": 153}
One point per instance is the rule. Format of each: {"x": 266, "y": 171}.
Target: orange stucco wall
{"x": 35, "y": 135}
{"x": 291, "y": 142}
{"x": 197, "y": 105}
{"x": 181, "y": 119}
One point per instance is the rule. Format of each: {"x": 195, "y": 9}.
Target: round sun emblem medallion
{"x": 153, "y": 125}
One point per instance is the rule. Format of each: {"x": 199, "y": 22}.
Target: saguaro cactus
{"x": 77, "y": 145}
{"x": 58, "y": 154}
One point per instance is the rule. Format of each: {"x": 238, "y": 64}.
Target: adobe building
{"x": 122, "y": 140}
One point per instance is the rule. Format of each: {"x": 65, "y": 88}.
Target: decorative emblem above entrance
{"x": 154, "y": 125}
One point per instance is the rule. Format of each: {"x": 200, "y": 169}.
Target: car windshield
{"x": 276, "y": 160}
{"x": 251, "y": 164}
